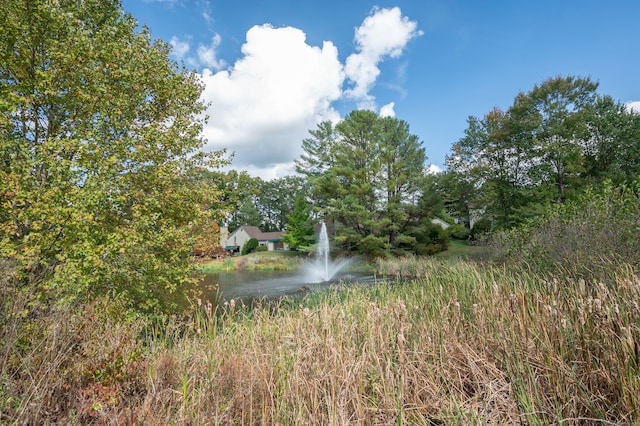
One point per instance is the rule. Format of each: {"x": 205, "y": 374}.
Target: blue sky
{"x": 274, "y": 69}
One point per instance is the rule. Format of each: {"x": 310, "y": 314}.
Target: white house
{"x": 234, "y": 241}
{"x": 442, "y": 223}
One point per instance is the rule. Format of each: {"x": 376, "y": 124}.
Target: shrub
{"x": 250, "y": 246}
{"x": 459, "y": 232}
{"x": 373, "y": 246}
{"x": 583, "y": 237}
{"x": 431, "y": 239}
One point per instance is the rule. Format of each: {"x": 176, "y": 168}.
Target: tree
{"x": 237, "y": 189}
{"x": 492, "y": 160}
{"x": 368, "y": 177}
{"x": 299, "y": 232}
{"x": 318, "y": 149}
{"x": 248, "y": 214}
{"x": 559, "y": 106}
{"x": 277, "y": 199}
{"x": 546, "y": 148}
{"x": 99, "y": 132}
{"x": 612, "y": 150}
{"x": 402, "y": 176}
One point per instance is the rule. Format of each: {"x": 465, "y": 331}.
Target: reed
{"x": 456, "y": 343}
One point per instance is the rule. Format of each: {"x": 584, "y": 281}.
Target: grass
{"x": 459, "y": 343}
{"x": 266, "y": 260}
{"x": 461, "y": 249}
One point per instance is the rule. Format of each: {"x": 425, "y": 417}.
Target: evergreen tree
{"x": 299, "y": 232}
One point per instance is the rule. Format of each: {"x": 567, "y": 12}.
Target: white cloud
{"x": 387, "y": 110}
{"x": 633, "y": 106}
{"x": 180, "y": 48}
{"x": 207, "y": 55}
{"x": 433, "y": 169}
{"x": 263, "y": 106}
{"x": 383, "y": 34}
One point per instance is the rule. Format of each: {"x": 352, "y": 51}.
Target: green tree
{"x": 248, "y": 214}
{"x": 402, "y": 177}
{"x": 357, "y": 168}
{"x": 277, "y": 199}
{"x": 560, "y": 107}
{"x": 368, "y": 177}
{"x": 494, "y": 162}
{"x": 612, "y": 151}
{"x": 99, "y": 132}
{"x": 317, "y": 150}
{"x": 237, "y": 189}
{"x": 546, "y": 148}
{"x": 299, "y": 232}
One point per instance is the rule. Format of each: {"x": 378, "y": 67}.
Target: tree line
{"x": 551, "y": 144}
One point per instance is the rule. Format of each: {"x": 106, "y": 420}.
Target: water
{"x": 317, "y": 274}
{"x": 323, "y": 268}
{"x": 255, "y": 285}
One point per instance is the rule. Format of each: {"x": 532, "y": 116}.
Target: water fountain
{"x": 323, "y": 269}
{"x": 323, "y": 251}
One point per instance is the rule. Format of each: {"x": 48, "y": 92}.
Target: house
{"x": 442, "y": 223}
{"x": 234, "y": 241}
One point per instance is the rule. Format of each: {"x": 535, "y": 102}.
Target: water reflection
{"x": 252, "y": 285}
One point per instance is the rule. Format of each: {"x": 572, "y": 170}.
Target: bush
{"x": 459, "y": 232}
{"x": 431, "y": 239}
{"x": 250, "y": 246}
{"x": 480, "y": 228}
{"x": 583, "y": 237}
{"x": 373, "y": 246}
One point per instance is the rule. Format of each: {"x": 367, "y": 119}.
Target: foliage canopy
{"x": 99, "y": 140}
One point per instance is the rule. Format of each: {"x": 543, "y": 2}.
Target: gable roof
{"x": 271, "y": 236}
{"x": 252, "y": 231}
{"x": 255, "y": 232}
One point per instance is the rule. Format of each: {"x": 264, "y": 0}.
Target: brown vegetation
{"x": 464, "y": 344}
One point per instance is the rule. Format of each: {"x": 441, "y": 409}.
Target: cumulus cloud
{"x": 383, "y": 34}
{"x": 633, "y": 106}
{"x": 264, "y": 105}
{"x": 205, "y": 55}
{"x": 387, "y": 110}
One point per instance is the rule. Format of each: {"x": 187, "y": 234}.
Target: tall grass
{"x": 261, "y": 261}
{"x": 458, "y": 343}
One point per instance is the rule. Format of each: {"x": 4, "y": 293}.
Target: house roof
{"x": 252, "y": 231}
{"x": 255, "y": 232}
{"x": 271, "y": 236}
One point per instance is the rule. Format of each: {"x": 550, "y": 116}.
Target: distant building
{"x": 442, "y": 223}
{"x": 234, "y": 241}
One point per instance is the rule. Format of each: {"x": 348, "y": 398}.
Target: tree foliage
{"x": 546, "y": 148}
{"x": 250, "y": 246}
{"x": 99, "y": 134}
{"x": 367, "y": 174}
{"x": 300, "y": 233}
{"x": 276, "y": 200}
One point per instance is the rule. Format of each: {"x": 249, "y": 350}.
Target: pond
{"x": 247, "y": 286}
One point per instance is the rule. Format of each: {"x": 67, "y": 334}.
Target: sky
{"x": 272, "y": 70}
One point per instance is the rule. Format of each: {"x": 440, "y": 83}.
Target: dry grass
{"x": 463, "y": 344}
